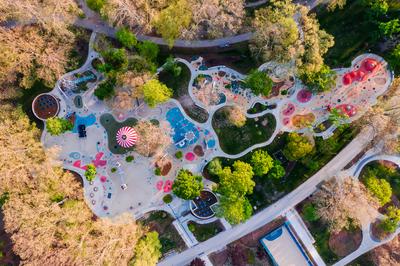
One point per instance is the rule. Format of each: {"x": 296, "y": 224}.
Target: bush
{"x": 179, "y": 154}
{"x": 90, "y": 172}
{"x": 172, "y": 67}
{"x": 259, "y": 82}
{"x": 323, "y": 80}
{"x": 380, "y": 188}
{"x": 155, "y": 122}
{"x": 214, "y": 167}
{"x": 167, "y": 198}
{"x": 126, "y": 37}
{"x": 310, "y": 212}
{"x": 191, "y": 227}
{"x": 186, "y": 185}
{"x": 105, "y": 89}
{"x": 115, "y": 60}
{"x": 157, "y": 171}
{"x": 56, "y": 125}
{"x": 113, "y": 170}
{"x": 148, "y": 50}
{"x": 95, "y": 5}
{"x": 129, "y": 158}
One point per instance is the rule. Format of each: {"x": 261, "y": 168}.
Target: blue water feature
{"x": 211, "y": 143}
{"x": 83, "y": 120}
{"x": 84, "y": 78}
{"x": 222, "y": 98}
{"x": 182, "y": 129}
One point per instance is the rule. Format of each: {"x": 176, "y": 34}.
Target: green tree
{"x": 234, "y": 211}
{"x": 310, "y": 213}
{"x": 115, "y": 60}
{"x": 148, "y": 50}
{"x": 172, "y": 67}
{"x": 261, "y": 162}
{"x": 277, "y": 171}
{"x": 323, "y": 80}
{"x": 90, "y": 172}
{"x": 259, "y": 82}
{"x": 237, "y": 183}
{"x": 147, "y": 250}
{"x": 376, "y": 8}
{"x": 297, "y": 147}
{"x": 155, "y": 92}
{"x": 394, "y": 58}
{"x": 186, "y": 185}
{"x": 56, "y": 125}
{"x": 172, "y": 20}
{"x": 95, "y": 5}
{"x": 390, "y": 28}
{"x": 337, "y": 116}
{"x": 214, "y": 167}
{"x": 105, "y": 89}
{"x": 380, "y": 188}
{"x": 126, "y": 37}
{"x": 391, "y": 222}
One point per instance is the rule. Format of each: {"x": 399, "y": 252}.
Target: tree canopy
{"x": 126, "y": 37}
{"x": 259, "y": 82}
{"x": 322, "y": 80}
{"x": 236, "y": 116}
{"x": 261, "y": 162}
{"x": 57, "y": 125}
{"x": 147, "y": 250}
{"x": 186, "y": 185}
{"x": 277, "y": 171}
{"x": 380, "y": 188}
{"x": 214, "y": 167}
{"x": 236, "y": 183}
{"x": 234, "y": 211}
{"x": 148, "y": 50}
{"x": 391, "y": 221}
{"x": 155, "y": 92}
{"x": 172, "y": 20}
{"x": 297, "y": 147}
{"x": 154, "y": 139}
{"x": 95, "y": 5}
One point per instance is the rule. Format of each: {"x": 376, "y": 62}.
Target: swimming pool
{"x": 184, "y": 132}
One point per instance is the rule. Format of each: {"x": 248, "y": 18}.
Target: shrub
{"x": 126, "y": 37}
{"x": 186, "y": 185}
{"x": 167, "y": 198}
{"x": 90, "y": 172}
{"x": 191, "y": 227}
{"x": 129, "y": 158}
{"x": 115, "y": 60}
{"x": 113, "y": 170}
{"x": 380, "y": 188}
{"x": 95, "y": 5}
{"x": 310, "y": 212}
{"x": 214, "y": 167}
{"x": 56, "y": 125}
{"x": 259, "y": 82}
{"x": 179, "y": 154}
{"x": 157, "y": 171}
{"x": 148, "y": 50}
{"x": 105, "y": 89}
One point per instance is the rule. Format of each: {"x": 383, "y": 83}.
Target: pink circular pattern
{"x": 289, "y": 109}
{"x": 286, "y": 121}
{"x": 304, "y": 96}
{"x": 103, "y": 179}
{"x": 190, "y": 156}
{"x": 126, "y": 137}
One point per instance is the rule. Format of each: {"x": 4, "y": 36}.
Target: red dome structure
{"x": 370, "y": 64}
{"x": 126, "y": 137}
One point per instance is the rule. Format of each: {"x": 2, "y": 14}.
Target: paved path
{"x": 278, "y": 208}
{"x": 94, "y": 23}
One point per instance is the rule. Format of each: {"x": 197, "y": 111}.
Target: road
{"x": 279, "y": 208}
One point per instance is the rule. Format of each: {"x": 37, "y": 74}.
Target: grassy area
{"x": 234, "y": 140}
{"x": 379, "y": 170}
{"x": 202, "y": 232}
{"x": 161, "y": 222}
{"x": 180, "y": 87}
{"x": 111, "y": 126}
{"x": 354, "y": 32}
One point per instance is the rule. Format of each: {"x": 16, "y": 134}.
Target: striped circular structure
{"x": 126, "y": 137}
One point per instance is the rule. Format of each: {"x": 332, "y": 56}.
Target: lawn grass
{"x": 111, "y": 126}
{"x": 202, "y": 232}
{"x": 179, "y": 85}
{"x": 234, "y": 140}
{"x": 161, "y": 222}
{"x": 377, "y": 169}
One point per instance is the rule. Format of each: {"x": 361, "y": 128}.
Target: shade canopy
{"x": 126, "y": 137}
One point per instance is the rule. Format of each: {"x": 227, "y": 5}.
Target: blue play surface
{"x": 86, "y": 120}
{"x": 181, "y": 126}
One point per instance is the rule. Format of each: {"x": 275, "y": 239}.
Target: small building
{"x": 284, "y": 248}
{"x": 45, "y": 106}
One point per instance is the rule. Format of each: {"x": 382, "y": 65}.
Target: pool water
{"x": 181, "y": 128}
{"x": 86, "y": 120}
